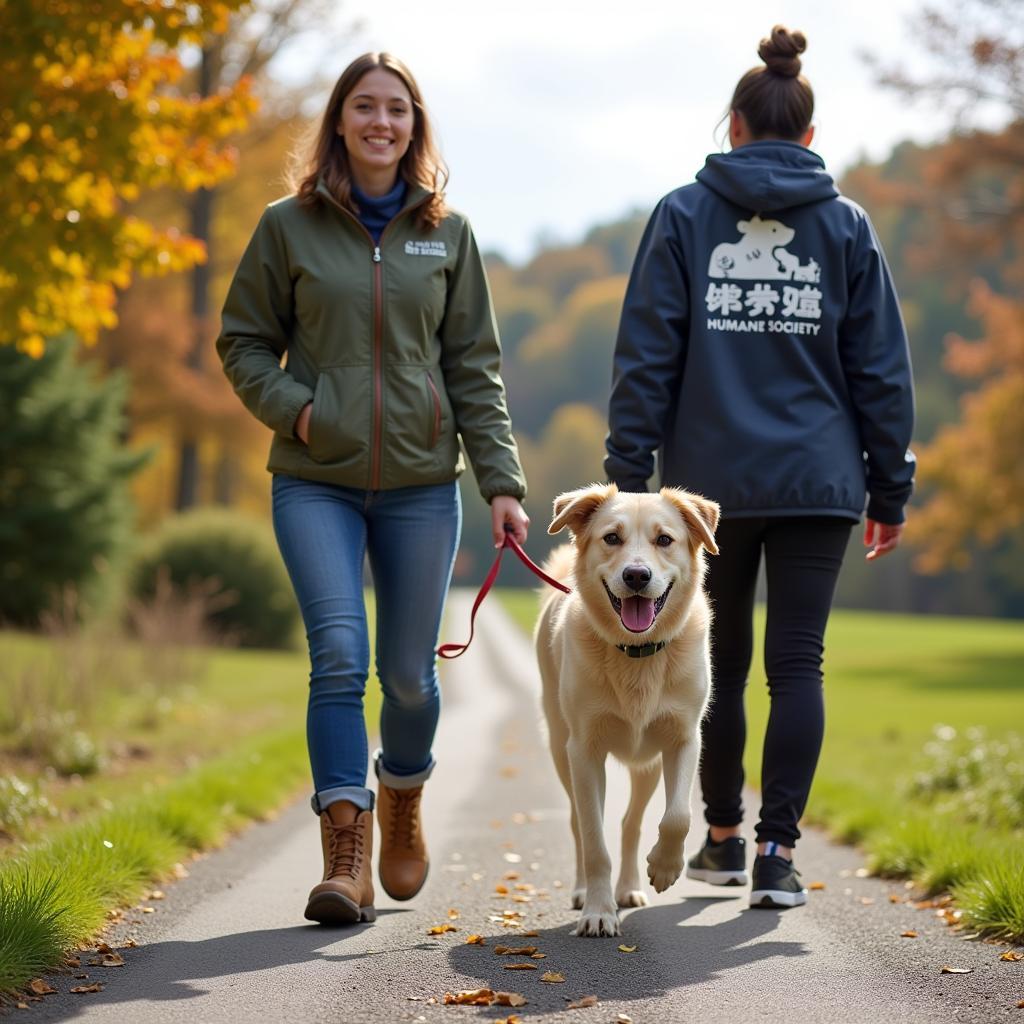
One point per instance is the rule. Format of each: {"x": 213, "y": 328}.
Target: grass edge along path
{"x": 981, "y": 867}
{"x": 58, "y": 892}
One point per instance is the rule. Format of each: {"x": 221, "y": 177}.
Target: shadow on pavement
{"x": 673, "y": 951}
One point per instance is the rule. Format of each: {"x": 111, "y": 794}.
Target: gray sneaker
{"x": 723, "y": 863}
{"x": 776, "y": 884}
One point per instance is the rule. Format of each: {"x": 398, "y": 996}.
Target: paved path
{"x": 229, "y": 943}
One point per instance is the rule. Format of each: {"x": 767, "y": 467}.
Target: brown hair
{"x": 776, "y": 100}
{"x": 325, "y": 156}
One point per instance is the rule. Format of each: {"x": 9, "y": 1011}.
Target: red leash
{"x": 454, "y": 650}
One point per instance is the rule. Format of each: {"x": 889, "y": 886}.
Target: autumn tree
{"x": 91, "y": 119}
{"x": 973, "y": 471}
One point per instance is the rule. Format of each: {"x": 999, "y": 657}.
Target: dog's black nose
{"x": 636, "y": 577}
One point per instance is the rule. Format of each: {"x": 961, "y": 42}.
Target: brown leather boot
{"x": 345, "y": 896}
{"x": 403, "y": 852}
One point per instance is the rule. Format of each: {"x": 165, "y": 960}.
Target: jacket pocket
{"x": 417, "y": 420}
{"x": 340, "y": 424}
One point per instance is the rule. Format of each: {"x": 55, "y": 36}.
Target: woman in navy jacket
{"x": 762, "y": 353}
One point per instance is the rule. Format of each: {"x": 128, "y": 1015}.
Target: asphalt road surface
{"x": 229, "y": 943}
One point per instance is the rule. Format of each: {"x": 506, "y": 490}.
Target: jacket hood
{"x": 768, "y": 176}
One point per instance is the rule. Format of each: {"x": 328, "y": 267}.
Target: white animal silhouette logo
{"x": 760, "y": 255}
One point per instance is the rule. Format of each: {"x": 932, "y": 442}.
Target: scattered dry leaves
{"x": 509, "y": 999}
{"x": 538, "y": 956}
{"x": 1012, "y": 956}
{"x": 627, "y": 949}
{"x": 80, "y": 990}
{"x": 908, "y": 934}
{"x": 956, "y": 970}
{"x": 520, "y": 967}
{"x": 552, "y": 977}
{"x": 531, "y": 934}
{"x": 453, "y": 914}
{"x": 816, "y": 886}
{"x": 501, "y": 890}
{"x": 1020, "y": 1005}
{"x": 440, "y": 929}
{"x": 40, "y": 987}
{"x": 895, "y": 897}
{"x": 582, "y": 1004}
{"x": 475, "y": 940}
{"x": 470, "y": 997}
{"x": 515, "y": 950}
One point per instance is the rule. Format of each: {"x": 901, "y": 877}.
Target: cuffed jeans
{"x": 411, "y": 535}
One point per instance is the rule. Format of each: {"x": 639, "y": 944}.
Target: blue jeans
{"x": 411, "y": 535}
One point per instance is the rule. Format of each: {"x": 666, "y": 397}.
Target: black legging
{"x": 803, "y": 555}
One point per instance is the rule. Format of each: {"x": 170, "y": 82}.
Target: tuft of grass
{"x": 993, "y": 901}
{"x": 59, "y": 891}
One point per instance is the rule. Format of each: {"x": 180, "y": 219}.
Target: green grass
{"x": 890, "y": 682}
{"x": 183, "y": 765}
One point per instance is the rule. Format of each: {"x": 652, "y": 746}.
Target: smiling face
{"x": 377, "y": 121}
{"x": 639, "y": 557}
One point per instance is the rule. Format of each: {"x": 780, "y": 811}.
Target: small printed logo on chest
{"x": 421, "y": 248}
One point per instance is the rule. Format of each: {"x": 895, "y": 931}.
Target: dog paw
{"x": 601, "y": 922}
{"x": 664, "y": 865}
{"x": 578, "y": 898}
{"x": 631, "y": 898}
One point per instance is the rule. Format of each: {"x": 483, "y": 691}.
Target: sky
{"x": 555, "y": 116}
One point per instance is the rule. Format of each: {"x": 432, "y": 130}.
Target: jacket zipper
{"x": 436, "y": 433}
{"x": 376, "y": 453}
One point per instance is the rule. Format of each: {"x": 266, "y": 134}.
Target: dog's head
{"x": 639, "y": 557}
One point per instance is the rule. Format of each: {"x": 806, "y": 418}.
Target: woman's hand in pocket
{"x": 302, "y": 423}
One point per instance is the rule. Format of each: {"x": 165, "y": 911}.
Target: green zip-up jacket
{"x": 395, "y": 345}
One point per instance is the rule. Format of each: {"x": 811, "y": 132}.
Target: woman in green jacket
{"x": 373, "y": 293}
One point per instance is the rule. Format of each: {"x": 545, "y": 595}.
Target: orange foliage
{"x": 975, "y": 468}
{"x": 90, "y": 125}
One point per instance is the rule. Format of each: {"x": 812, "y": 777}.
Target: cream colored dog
{"x": 625, "y": 665}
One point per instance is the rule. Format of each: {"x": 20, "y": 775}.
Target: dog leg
{"x": 600, "y": 916}
{"x": 665, "y": 861}
{"x": 559, "y": 737}
{"x": 644, "y": 780}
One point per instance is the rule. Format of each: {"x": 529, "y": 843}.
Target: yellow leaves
{"x": 520, "y": 967}
{"x": 584, "y": 1003}
{"x": 908, "y": 934}
{"x": 476, "y": 940}
{"x": 956, "y": 970}
{"x": 816, "y": 886}
{"x": 440, "y": 929}
{"x": 483, "y": 997}
{"x": 515, "y": 950}
{"x": 1012, "y": 956}
{"x": 552, "y": 977}
{"x": 627, "y": 949}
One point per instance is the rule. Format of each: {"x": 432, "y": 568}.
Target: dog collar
{"x": 641, "y": 650}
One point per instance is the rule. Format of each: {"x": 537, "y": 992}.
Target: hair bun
{"x": 781, "y": 52}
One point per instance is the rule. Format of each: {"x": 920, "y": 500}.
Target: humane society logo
{"x": 760, "y": 255}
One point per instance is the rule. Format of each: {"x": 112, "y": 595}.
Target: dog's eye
{"x": 612, "y": 539}
{"x": 664, "y": 540}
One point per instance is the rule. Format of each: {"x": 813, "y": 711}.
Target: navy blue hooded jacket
{"x": 761, "y": 347}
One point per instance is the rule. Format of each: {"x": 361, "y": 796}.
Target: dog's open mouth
{"x": 637, "y": 613}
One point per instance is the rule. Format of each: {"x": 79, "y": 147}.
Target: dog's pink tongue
{"x": 637, "y": 613}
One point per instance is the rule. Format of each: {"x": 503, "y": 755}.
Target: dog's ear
{"x": 574, "y": 508}
{"x": 700, "y": 515}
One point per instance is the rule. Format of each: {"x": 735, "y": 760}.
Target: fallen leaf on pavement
{"x": 40, "y": 987}
{"x": 501, "y": 890}
{"x": 512, "y": 1018}
{"x": 956, "y": 970}
{"x": 538, "y": 956}
{"x": 22, "y": 1006}
{"x": 453, "y": 914}
{"x": 908, "y": 934}
{"x": 895, "y": 898}
{"x": 509, "y": 999}
{"x": 470, "y": 997}
{"x": 816, "y": 886}
{"x": 149, "y": 910}
{"x": 582, "y": 1004}
{"x": 627, "y": 949}
{"x": 515, "y": 950}
{"x": 623, "y": 1018}
{"x": 553, "y": 977}
{"x": 1020, "y": 1005}
{"x": 112, "y": 960}
{"x": 510, "y": 876}
{"x": 475, "y": 940}
{"x": 82, "y": 989}
{"x": 156, "y": 894}
{"x": 520, "y": 967}
{"x": 73, "y": 961}
{"x": 440, "y": 929}
{"x": 1012, "y": 956}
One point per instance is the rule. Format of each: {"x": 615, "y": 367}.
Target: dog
{"x": 625, "y": 665}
